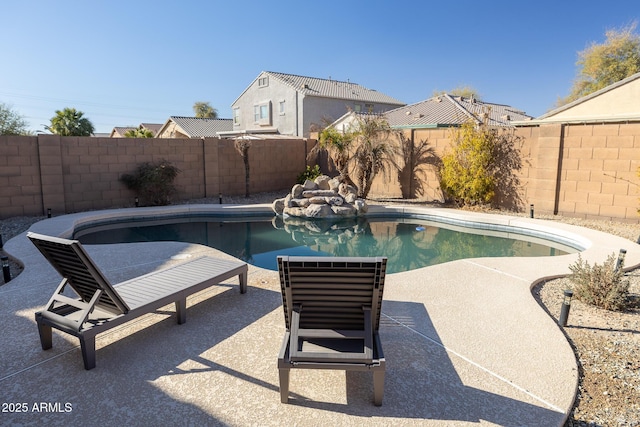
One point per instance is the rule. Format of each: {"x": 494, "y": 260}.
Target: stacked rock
{"x": 323, "y": 197}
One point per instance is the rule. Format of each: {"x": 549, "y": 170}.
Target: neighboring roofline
{"x": 163, "y": 127}
{"x": 183, "y": 130}
{"x": 461, "y": 108}
{"x": 248, "y": 86}
{"x": 425, "y": 126}
{"x": 274, "y": 74}
{"x": 590, "y": 96}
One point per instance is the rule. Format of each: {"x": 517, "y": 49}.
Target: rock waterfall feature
{"x": 322, "y": 198}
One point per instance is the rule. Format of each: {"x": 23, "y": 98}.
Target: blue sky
{"x": 130, "y": 62}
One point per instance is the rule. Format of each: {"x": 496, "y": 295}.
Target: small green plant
{"x": 309, "y": 174}
{"x": 601, "y": 285}
{"x": 152, "y": 182}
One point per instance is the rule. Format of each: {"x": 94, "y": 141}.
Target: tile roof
{"x": 447, "y": 110}
{"x": 327, "y": 88}
{"x": 196, "y": 127}
{"x": 119, "y": 131}
{"x": 153, "y": 127}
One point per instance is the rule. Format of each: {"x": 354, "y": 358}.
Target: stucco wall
{"x": 611, "y": 104}
{"x": 273, "y": 93}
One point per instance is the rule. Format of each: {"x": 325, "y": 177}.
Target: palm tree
{"x": 69, "y": 122}
{"x": 204, "y": 110}
{"x": 373, "y": 153}
{"x": 338, "y": 145}
{"x": 138, "y": 133}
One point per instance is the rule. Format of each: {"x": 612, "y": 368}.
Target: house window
{"x": 236, "y": 117}
{"x": 357, "y": 108}
{"x": 263, "y": 81}
{"x": 262, "y": 113}
{"x": 368, "y": 108}
{"x": 281, "y": 109}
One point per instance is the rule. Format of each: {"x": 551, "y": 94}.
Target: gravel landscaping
{"x": 607, "y": 344}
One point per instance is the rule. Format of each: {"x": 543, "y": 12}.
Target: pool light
{"x": 620, "y": 260}
{"x": 566, "y": 306}
{"x": 6, "y": 271}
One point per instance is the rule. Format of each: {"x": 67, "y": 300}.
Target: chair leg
{"x": 378, "y": 387}
{"x": 46, "y": 336}
{"x": 88, "y": 347}
{"x": 242, "y": 278}
{"x": 284, "y": 384}
{"x": 181, "y": 310}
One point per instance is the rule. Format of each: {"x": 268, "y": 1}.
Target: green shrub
{"x": 152, "y": 182}
{"x": 466, "y": 172}
{"x": 309, "y": 173}
{"x": 480, "y": 168}
{"x": 601, "y": 285}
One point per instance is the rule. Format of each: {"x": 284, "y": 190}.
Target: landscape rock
{"x": 278, "y": 206}
{"x": 296, "y": 191}
{"x": 323, "y": 182}
{"x": 309, "y": 185}
{"x": 323, "y": 198}
{"x": 317, "y": 211}
{"x": 322, "y": 193}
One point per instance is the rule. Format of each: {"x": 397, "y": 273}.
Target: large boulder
{"x": 296, "y": 191}
{"x": 323, "y": 182}
{"x": 345, "y": 210}
{"x": 309, "y": 185}
{"x": 318, "y": 211}
{"x": 278, "y": 206}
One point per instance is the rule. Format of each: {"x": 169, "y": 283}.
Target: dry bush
{"x": 601, "y": 285}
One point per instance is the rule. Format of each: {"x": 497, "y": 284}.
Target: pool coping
{"x": 528, "y": 361}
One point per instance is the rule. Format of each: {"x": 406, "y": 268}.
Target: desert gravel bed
{"x": 607, "y": 344}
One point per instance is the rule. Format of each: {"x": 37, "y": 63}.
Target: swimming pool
{"x": 409, "y": 243}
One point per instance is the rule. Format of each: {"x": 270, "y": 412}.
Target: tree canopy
{"x": 204, "y": 110}
{"x": 11, "y": 122}
{"x": 138, "y": 133}
{"x": 601, "y": 65}
{"x": 69, "y": 122}
{"x": 465, "y": 91}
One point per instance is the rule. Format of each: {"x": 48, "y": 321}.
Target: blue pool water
{"x": 409, "y": 243}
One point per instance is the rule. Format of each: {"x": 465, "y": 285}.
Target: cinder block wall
{"x": 580, "y": 170}
{"x": 20, "y": 183}
{"x": 599, "y": 171}
{"x": 421, "y": 183}
{"x": 583, "y": 170}
{"x": 73, "y": 174}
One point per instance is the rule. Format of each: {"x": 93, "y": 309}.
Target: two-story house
{"x": 288, "y": 104}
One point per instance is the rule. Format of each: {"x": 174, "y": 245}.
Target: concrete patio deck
{"x": 465, "y": 343}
